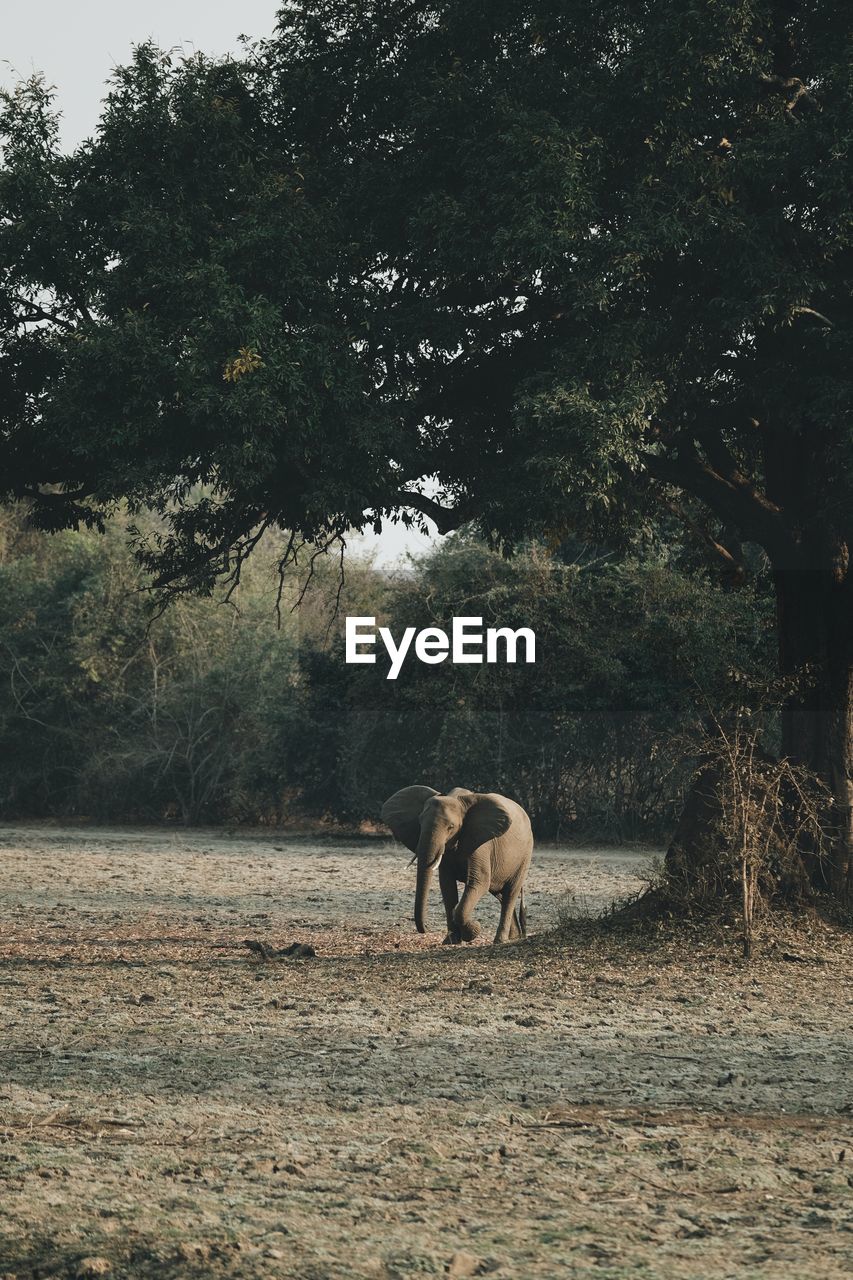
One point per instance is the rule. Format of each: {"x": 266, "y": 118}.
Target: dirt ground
{"x": 598, "y": 1105}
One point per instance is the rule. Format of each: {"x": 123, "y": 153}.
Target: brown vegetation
{"x": 601, "y": 1102}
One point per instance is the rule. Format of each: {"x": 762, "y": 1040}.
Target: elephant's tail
{"x": 522, "y": 915}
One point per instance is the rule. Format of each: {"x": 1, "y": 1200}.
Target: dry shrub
{"x": 573, "y": 905}
{"x": 752, "y": 828}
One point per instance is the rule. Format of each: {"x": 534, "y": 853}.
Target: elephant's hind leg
{"x": 518, "y": 928}
{"x": 509, "y": 925}
{"x": 522, "y": 914}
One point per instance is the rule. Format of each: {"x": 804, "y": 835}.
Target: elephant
{"x": 482, "y": 839}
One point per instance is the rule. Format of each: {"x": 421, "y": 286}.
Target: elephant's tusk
{"x": 413, "y": 861}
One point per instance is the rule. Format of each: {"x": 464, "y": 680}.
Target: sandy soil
{"x": 598, "y": 1105}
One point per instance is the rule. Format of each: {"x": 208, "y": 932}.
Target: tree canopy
{"x": 175, "y": 325}
{"x": 557, "y": 260}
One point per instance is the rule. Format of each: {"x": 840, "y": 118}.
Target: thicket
{"x": 213, "y": 713}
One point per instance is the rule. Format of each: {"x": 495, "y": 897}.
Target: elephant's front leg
{"x": 477, "y": 883}
{"x": 450, "y": 897}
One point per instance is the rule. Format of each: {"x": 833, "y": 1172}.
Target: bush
{"x": 211, "y": 713}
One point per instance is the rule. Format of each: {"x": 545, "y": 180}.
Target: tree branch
{"x": 810, "y": 311}
{"x": 791, "y": 88}
{"x": 35, "y": 312}
{"x": 445, "y": 519}
{"x": 733, "y": 498}
{"x": 729, "y": 558}
{"x": 58, "y": 498}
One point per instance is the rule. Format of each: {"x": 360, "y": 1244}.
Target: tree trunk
{"x": 815, "y": 627}
{"x": 693, "y": 856}
{"x": 815, "y": 632}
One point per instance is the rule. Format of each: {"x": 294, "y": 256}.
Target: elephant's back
{"x": 519, "y": 818}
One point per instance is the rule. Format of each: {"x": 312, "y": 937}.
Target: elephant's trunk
{"x": 429, "y": 855}
{"x": 424, "y": 878}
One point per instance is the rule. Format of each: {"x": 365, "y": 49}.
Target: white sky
{"x": 76, "y": 43}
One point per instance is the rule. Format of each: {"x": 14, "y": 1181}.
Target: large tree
{"x": 538, "y": 265}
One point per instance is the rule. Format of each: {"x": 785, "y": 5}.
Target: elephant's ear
{"x": 402, "y": 811}
{"x": 486, "y": 819}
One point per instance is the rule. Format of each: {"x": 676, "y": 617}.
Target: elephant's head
{"x": 429, "y": 824}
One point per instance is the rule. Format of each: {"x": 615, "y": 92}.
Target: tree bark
{"x": 814, "y": 609}
{"x": 693, "y": 856}
{"x": 815, "y": 628}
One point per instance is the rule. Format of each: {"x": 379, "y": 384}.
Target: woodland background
{"x": 213, "y": 712}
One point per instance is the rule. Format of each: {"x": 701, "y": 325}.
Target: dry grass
{"x": 601, "y": 1104}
